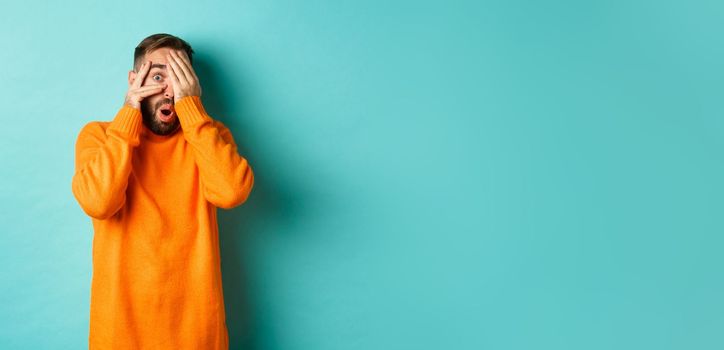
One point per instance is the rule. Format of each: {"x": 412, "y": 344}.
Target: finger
{"x": 187, "y": 62}
{"x": 184, "y": 56}
{"x": 172, "y": 75}
{"x": 181, "y": 73}
{"x": 141, "y": 75}
{"x": 149, "y": 87}
{"x": 148, "y": 92}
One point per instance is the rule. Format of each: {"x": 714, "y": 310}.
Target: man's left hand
{"x": 184, "y": 79}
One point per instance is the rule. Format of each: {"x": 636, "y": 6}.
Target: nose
{"x": 168, "y": 92}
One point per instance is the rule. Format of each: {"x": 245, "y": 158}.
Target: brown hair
{"x": 157, "y": 41}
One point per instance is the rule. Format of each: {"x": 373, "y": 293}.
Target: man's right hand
{"x": 137, "y": 91}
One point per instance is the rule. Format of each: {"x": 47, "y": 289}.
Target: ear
{"x": 131, "y": 77}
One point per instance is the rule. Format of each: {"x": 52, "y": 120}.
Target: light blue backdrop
{"x": 429, "y": 175}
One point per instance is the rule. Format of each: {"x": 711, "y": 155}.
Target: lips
{"x": 166, "y": 113}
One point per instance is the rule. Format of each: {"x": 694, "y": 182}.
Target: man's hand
{"x": 137, "y": 91}
{"x": 184, "y": 79}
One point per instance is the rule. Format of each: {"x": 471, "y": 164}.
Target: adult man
{"x": 151, "y": 180}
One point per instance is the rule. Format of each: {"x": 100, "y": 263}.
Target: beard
{"x": 151, "y": 120}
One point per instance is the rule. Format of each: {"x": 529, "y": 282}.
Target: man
{"x": 151, "y": 180}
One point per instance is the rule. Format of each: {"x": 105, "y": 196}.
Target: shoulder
{"x": 93, "y": 130}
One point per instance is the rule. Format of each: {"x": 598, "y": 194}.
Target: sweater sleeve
{"x": 103, "y": 163}
{"x": 226, "y": 177}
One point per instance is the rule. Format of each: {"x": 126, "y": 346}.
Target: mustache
{"x": 164, "y": 102}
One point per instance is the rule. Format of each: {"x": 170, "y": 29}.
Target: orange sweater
{"x": 156, "y": 280}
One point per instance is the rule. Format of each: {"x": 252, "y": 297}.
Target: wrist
{"x": 133, "y": 105}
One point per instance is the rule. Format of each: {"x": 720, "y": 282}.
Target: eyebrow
{"x": 158, "y": 65}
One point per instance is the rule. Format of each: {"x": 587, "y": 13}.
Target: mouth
{"x": 166, "y": 113}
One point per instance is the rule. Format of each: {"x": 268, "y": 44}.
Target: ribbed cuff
{"x": 127, "y": 122}
{"x": 190, "y": 111}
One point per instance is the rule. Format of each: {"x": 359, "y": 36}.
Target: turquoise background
{"x": 429, "y": 175}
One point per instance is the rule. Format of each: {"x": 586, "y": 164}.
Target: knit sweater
{"x": 156, "y": 281}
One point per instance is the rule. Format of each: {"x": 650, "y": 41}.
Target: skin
{"x": 164, "y": 77}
